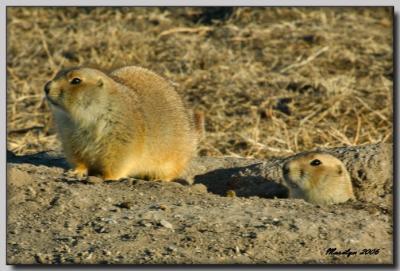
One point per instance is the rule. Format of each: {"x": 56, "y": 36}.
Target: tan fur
{"x": 128, "y": 123}
{"x": 199, "y": 123}
{"x": 327, "y": 183}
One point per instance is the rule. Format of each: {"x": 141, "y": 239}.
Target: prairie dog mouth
{"x": 54, "y": 103}
{"x": 293, "y": 184}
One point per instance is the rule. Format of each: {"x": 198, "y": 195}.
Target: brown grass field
{"x": 272, "y": 81}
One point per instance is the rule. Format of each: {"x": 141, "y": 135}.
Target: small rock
{"x": 125, "y": 180}
{"x": 293, "y": 227}
{"x": 351, "y": 241}
{"x": 102, "y": 230}
{"x": 41, "y": 258}
{"x": 108, "y": 220}
{"x": 126, "y": 237}
{"x": 260, "y": 225}
{"x": 145, "y": 223}
{"x": 30, "y": 192}
{"x": 149, "y": 252}
{"x": 172, "y": 248}
{"x": 125, "y": 204}
{"x": 183, "y": 181}
{"x": 251, "y": 235}
{"x": 159, "y": 207}
{"x": 94, "y": 180}
{"x": 115, "y": 210}
{"x": 237, "y": 250}
{"x": 231, "y": 193}
{"x": 166, "y": 224}
{"x": 151, "y": 215}
{"x": 276, "y": 222}
{"x": 54, "y": 201}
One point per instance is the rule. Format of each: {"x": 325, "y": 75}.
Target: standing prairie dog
{"x": 127, "y": 123}
{"x": 319, "y": 178}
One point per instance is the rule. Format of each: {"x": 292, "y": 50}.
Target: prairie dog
{"x": 130, "y": 122}
{"x": 319, "y": 178}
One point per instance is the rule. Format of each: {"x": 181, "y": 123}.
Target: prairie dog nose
{"x": 47, "y": 87}
{"x": 286, "y": 169}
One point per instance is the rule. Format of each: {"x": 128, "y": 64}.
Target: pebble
{"x": 183, "y": 182}
{"x": 145, "y": 223}
{"x": 94, "y": 180}
{"x": 31, "y": 192}
{"x": 276, "y": 221}
{"x": 149, "y": 251}
{"x": 108, "y": 220}
{"x": 126, "y": 205}
{"x": 251, "y": 235}
{"x": 351, "y": 241}
{"x": 115, "y": 210}
{"x": 41, "y": 258}
{"x": 151, "y": 215}
{"x": 102, "y": 230}
{"x": 231, "y": 193}
{"x": 126, "y": 237}
{"x": 166, "y": 224}
{"x": 172, "y": 248}
{"x": 260, "y": 225}
{"x": 201, "y": 188}
{"x": 237, "y": 250}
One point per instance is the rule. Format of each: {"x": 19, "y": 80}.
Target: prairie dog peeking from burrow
{"x": 319, "y": 178}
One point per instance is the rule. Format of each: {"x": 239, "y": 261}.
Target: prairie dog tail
{"x": 199, "y": 123}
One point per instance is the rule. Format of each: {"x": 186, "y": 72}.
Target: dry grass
{"x": 272, "y": 81}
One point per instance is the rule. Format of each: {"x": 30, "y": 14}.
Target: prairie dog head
{"x": 318, "y": 178}
{"x": 77, "y": 91}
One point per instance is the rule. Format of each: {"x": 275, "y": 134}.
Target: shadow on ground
{"x": 49, "y": 159}
{"x": 223, "y": 180}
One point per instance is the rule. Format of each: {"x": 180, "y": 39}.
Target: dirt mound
{"x": 54, "y": 218}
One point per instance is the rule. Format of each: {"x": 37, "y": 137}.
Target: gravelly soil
{"x": 54, "y": 218}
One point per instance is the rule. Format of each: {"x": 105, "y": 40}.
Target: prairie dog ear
{"x": 100, "y": 82}
{"x": 339, "y": 170}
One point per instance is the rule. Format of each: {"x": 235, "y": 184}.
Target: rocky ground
{"x": 55, "y": 218}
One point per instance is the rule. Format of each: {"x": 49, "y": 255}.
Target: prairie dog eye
{"x": 315, "y": 162}
{"x": 75, "y": 81}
